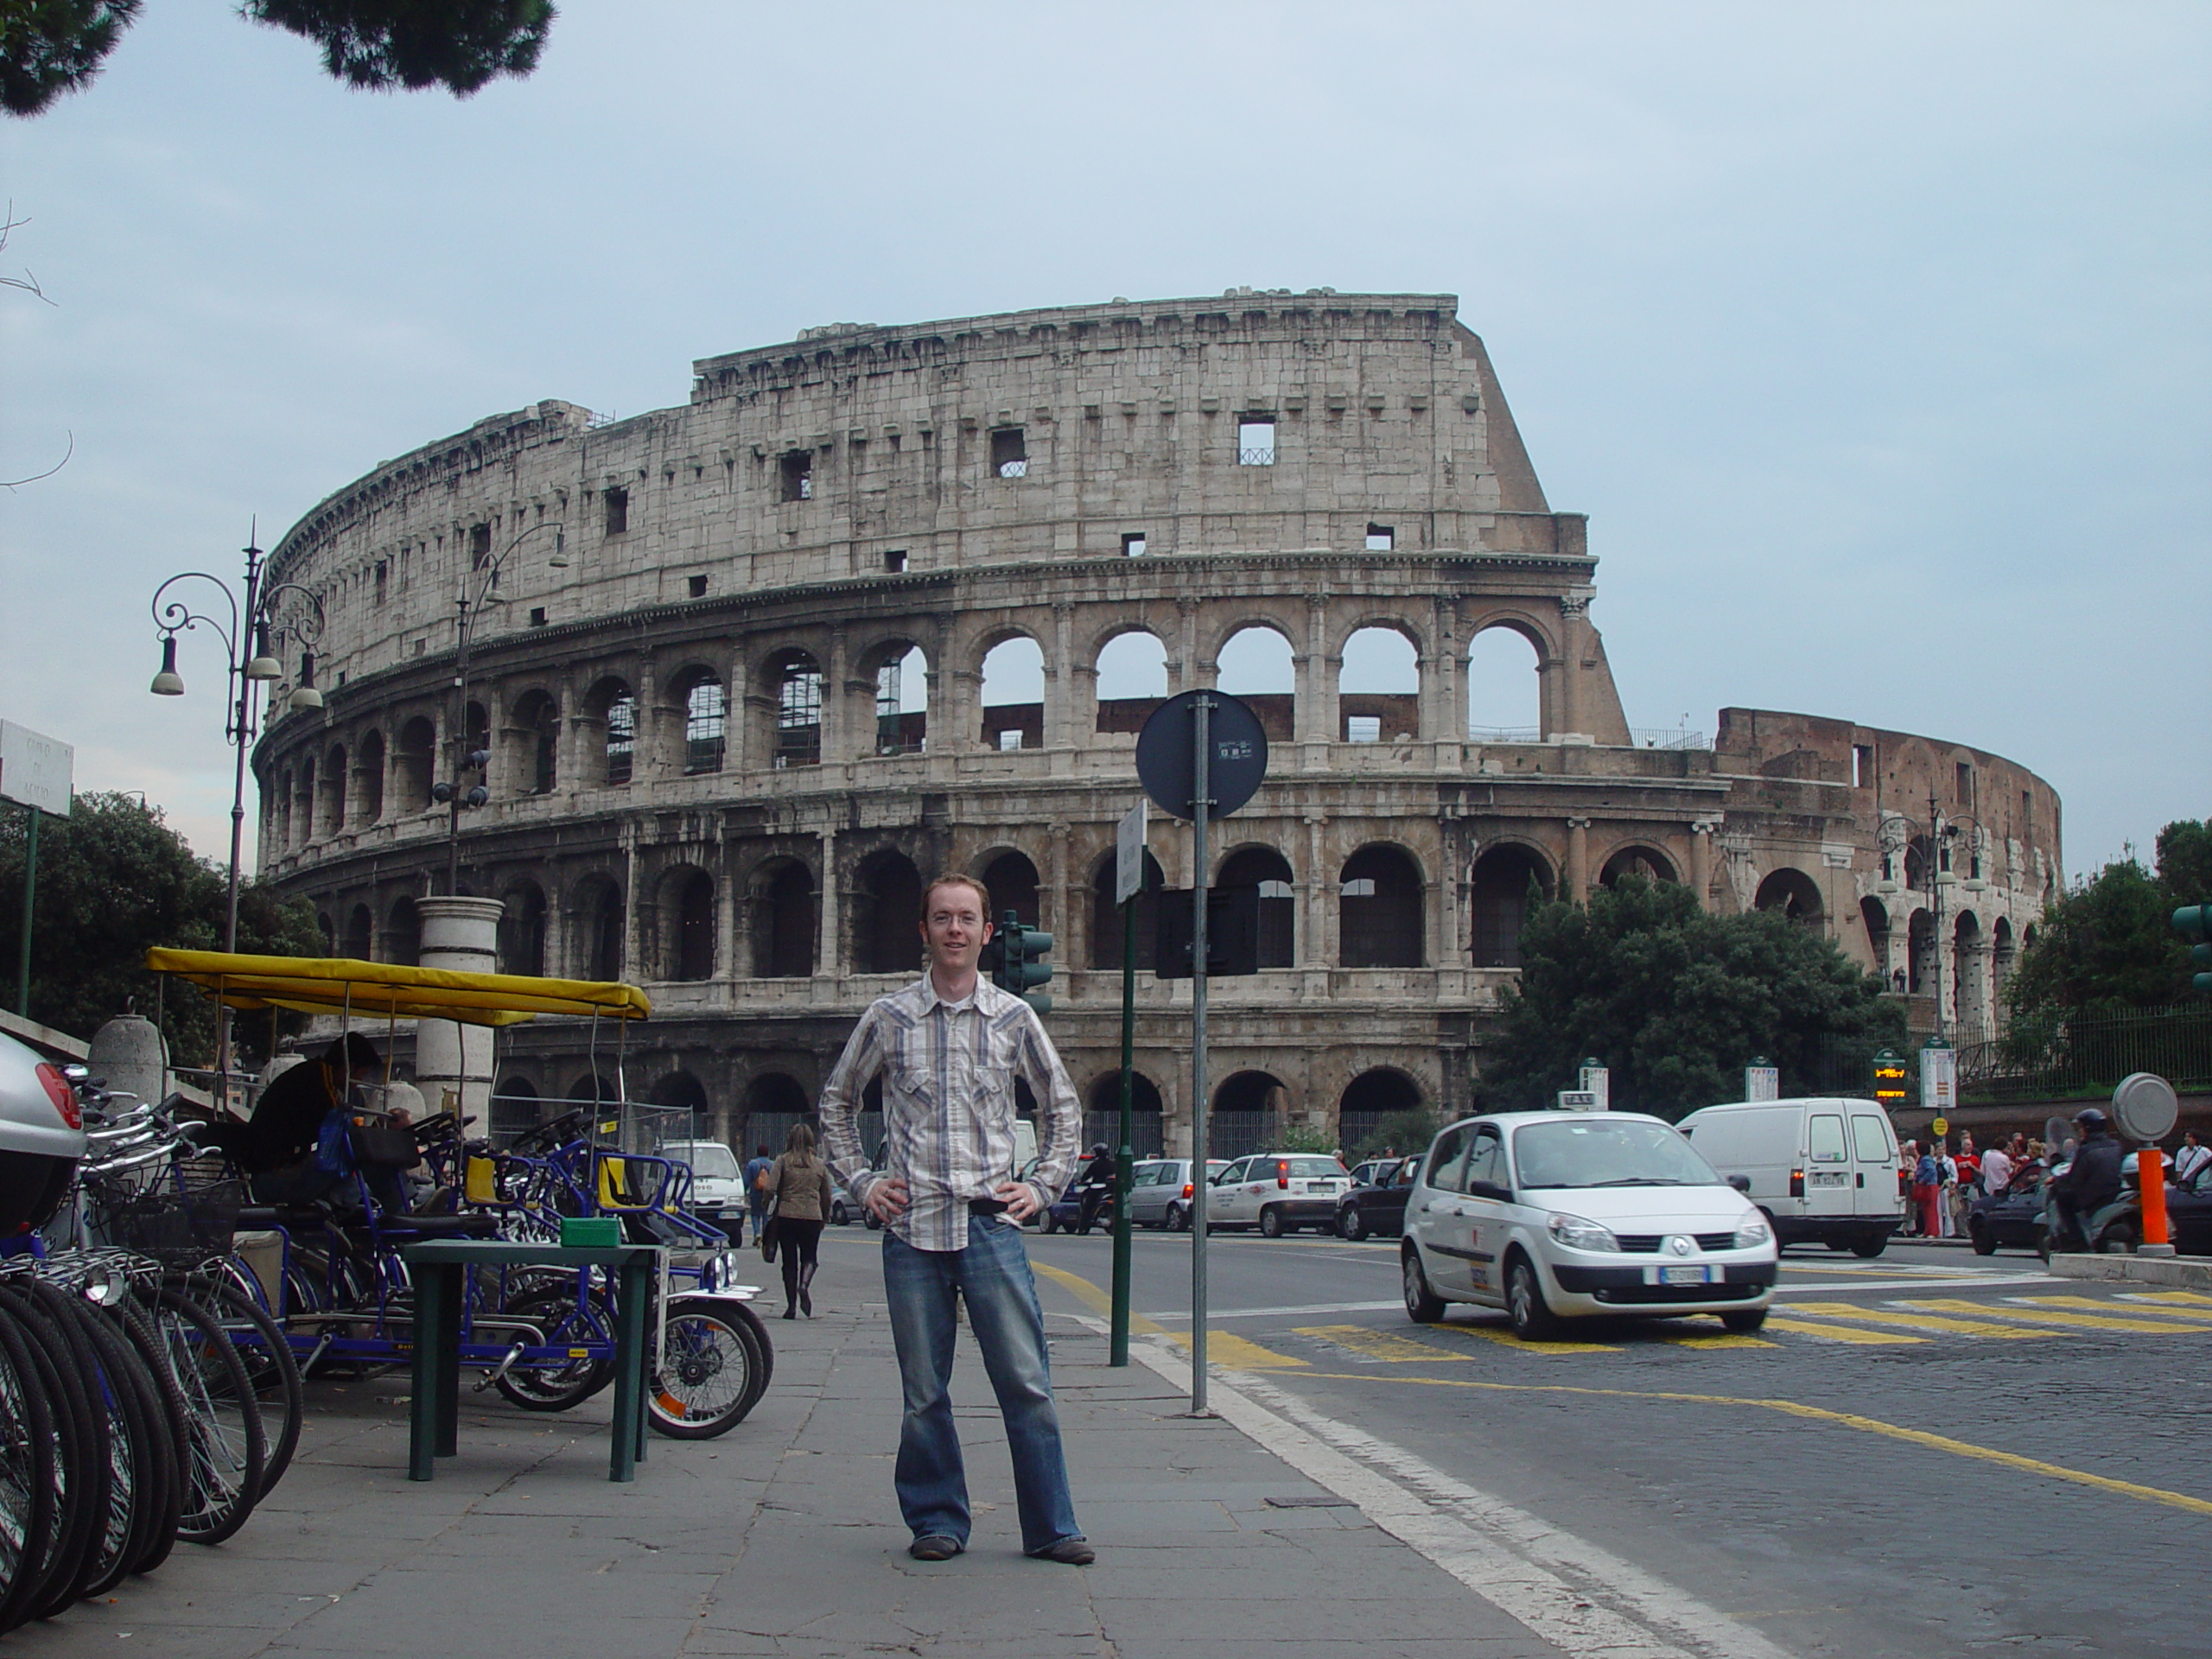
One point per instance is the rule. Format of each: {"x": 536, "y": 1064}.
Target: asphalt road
{"x": 1929, "y": 1453}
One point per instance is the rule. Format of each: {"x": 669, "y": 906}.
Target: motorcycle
{"x": 2111, "y": 1229}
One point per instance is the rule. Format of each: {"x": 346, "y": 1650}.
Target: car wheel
{"x": 1533, "y": 1320}
{"x": 1271, "y": 1223}
{"x": 1985, "y": 1241}
{"x": 1423, "y": 1306}
{"x": 1178, "y": 1218}
{"x": 872, "y": 1224}
{"x": 1350, "y": 1225}
{"x": 1869, "y": 1244}
{"x": 2117, "y": 1239}
{"x": 1743, "y": 1321}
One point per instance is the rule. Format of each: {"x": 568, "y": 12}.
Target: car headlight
{"x": 1578, "y": 1234}
{"x": 1751, "y": 1231}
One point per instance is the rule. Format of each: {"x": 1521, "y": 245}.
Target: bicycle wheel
{"x": 565, "y": 1325}
{"x": 142, "y": 1495}
{"x": 55, "y": 1570}
{"x": 705, "y": 1383}
{"x": 227, "y": 1446}
{"x": 90, "y": 1476}
{"x": 165, "y": 1403}
{"x": 269, "y": 1362}
{"x": 26, "y": 1484}
{"x": 752, "y": 1322}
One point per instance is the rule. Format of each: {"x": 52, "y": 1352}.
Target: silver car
{"x": 1160, "y": 1192}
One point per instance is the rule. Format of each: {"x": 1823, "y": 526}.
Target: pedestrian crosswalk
{"x": 1888, "y": 1322}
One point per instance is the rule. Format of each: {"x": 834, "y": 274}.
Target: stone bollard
{"x": 461, "y": 935}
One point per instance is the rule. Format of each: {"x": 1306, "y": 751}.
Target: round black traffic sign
{"x": 1168, "y": 759}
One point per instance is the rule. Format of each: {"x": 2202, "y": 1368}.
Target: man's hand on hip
{"x": 1018, "y": 1196}
{"x": 886, "y": 1200}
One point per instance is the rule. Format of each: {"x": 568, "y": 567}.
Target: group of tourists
{"x": 1945, "y": 1184}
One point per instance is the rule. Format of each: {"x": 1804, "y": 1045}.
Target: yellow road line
{"x": 1093, "y": 1298}
{"x": 1382, "y": 1345}
{"x": 2092, "y": 1305}
{"x": 1814, "y": 1414}
{"x": 2188, "y": 1298}
{"x": 1503, "y": 1336}
{"x": 1935, "y": 1322}
{"x": 1222, "y": 1347}
{"x": 1837, "y": 1333}
{"x": 1716, "y": 1339}
{"x": 2052, "y": 1316}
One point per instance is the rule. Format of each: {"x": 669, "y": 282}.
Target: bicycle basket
{"x": 184, "y": 1228}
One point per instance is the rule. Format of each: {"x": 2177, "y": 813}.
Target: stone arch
{"x": 1793, "y": 894}
{"x": 303, "y": 820}
{"x": 679, "y": 1089}
{"x": 334, "y": 778}
{"x": 2004, "y": 957}
{"x": 368, "y": 767}
{"x": 515, "y": 1108}
{"x": 1499, "y": 900}
{"x": 1269, "y": 870}
{"x": 1374, "y": 1093}
{"x": 1969, "y": 988}
{"x": 415, "y": 767}
{"x": 899, "y": 668}
{"x": 611, "y": 715}
{"x": 281, "y": 805}
{"x": 1132, "y": 669}
{"x": 1248, "y": 1111}
{"x": 1106, "y": 916}
{"x": 403, "y": 933}
{"x": 1920, "y": 955}
{"x": 782, "y": 895}
{"x": 329, "y": 929}
{"x": 1638, "y": 859}
{"x": 522, "y": 929}
{"x": 1874, "y": 916}
{"x": 534, "y": 743}
{"x": 1257, "y": 662}
{"x": 360, "y": 942}
{"x": 788, "y": 713}
{"x": 886, "y": 902}
{"x": 1011, "y": 875}
{"x": 593, "y": 1089}
{"x": 1378, "y": 684}
{"x": 702, "y": 702}
{"x": 1505, "y": 690}
{"x": 1102, "y": 1113}
{"x": 596, "y": 925}
{"x": 1380, "y": 910}
{"x": 684, "y": 917}
{"x": 773, "y": 1100}
{"x": 1012, "y": 691}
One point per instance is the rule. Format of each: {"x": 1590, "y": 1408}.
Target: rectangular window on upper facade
{"x": 381, "y": 567}
{"x": 1009, "y": 454}
{"x": 895, "y": 561}
{"x": 1862, "y": 765}
{"x": 1255, "y": 441}
{"x": 1134, "y": 545}
{"x": 1010, "y": 738}
{"x": 1362, "y": 728}
{"x": 538, "y": 616}
{"x": 1966, "y": 784}
{"x": 1381, "y": 538}
{"x": 616, "y": 504}
{"x": 480, "y": 545}
{"x": 698, "y": 587}
{"x": 797, "y": 474}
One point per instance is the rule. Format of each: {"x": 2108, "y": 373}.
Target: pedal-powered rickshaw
{"x": 544, "y": 1337}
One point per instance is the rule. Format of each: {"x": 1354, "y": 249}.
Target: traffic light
{"x": 2195, "y": 922}
{"x": 1016, "y": 956}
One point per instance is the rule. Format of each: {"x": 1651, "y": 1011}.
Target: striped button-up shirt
{"x": 948, "y": 1071}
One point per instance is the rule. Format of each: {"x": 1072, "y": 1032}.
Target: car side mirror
{"x": 1741, "y": 1183}
{"x": 1488, "y": 1190}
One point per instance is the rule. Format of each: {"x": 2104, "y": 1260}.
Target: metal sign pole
{"x": 1125, "y": 1161}
{"x": 30, "y": 887}
{"x": 1201, "y": 810}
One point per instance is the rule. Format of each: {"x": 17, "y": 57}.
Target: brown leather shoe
{"x": 935, "y": 1546}
{"x": 1069, "y": 1552}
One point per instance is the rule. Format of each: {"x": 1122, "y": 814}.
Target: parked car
{"x": 1377, "y": 1204}
{"x": 1278, "y": 1193}
{"x": 717, "y": 1182}
{"x": 2012, "y": 1219}
{"x": 41, "y": 1137}
{"x": 1823, "y": 1170}
{"x": 1160, "y": 1192}
{"x": 1558, "y": 1215}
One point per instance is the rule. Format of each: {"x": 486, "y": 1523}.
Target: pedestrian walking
{"x": 1947, "y": 1184}
{"x": 1907, "y": 1168}
{"x": 1927, "y": 1193}
{"x": 756, "y": 1188}
{"x": 2192, "y": 1160}
{"x": 798, "y": 1185}
{"x": 949, "y": 1049}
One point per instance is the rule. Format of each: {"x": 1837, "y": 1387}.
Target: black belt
{"x": 986, "y": 1206}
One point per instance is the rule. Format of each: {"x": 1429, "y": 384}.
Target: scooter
{"x": 2115, "y": 1227}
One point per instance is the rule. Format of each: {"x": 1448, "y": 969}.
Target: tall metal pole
{"x": 242, "y": 738}
{"x": 30, "y": 887}
{"x": 1201, "y": 810}
{"x": 1125, "y": 1161}
{"x": 460, "y": 750}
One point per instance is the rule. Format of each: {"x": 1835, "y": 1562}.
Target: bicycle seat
{"x": 466, "y": 1226}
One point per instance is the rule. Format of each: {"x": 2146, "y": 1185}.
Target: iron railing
{"x": 2040, "y": 1056}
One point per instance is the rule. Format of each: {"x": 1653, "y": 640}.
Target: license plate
{"x": 1821, "y": 1177}
{"x": 1685, "y": 1275}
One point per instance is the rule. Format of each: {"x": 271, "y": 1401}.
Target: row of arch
{"x": 1964, "y": 965}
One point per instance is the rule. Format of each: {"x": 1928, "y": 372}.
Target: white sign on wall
{"x": 35, "y": 770}
{"x": 1128, "y": 855}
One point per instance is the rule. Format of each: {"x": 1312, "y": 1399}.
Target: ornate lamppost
{"x": 1941, "y": 832}
{"x": 250, "y": 639}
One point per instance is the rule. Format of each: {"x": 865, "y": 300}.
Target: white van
{"x": 1824, "y": 1170}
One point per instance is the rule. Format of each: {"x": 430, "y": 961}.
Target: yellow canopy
{"x": 381, "y": 990}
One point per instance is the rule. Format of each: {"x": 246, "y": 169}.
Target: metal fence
{"x": 1231, "y": 1135}
{"x": 1147, "y": 1138}
{"x": 2052, "y": 1055}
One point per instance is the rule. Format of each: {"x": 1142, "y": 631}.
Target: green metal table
{"x": 440, "y": 1270}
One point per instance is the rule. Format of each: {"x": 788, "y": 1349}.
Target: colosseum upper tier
{"x": 888, "y": 601}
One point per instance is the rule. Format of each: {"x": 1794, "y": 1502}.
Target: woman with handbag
{"x": 799, "y": 1195}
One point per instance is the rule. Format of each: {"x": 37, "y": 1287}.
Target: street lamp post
{"x": 1941, "y": 830}
{"x": 249, "y": 660}
{"x": 450, "y": 792}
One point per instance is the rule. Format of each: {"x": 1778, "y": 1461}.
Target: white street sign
{"x": 1762, "y": 1083}
{"x": 1128, "y": 855}
{"x": 1598, "y": 1083}
{"x": 1939, "y": 1080}
{"x": 36, "y": 771}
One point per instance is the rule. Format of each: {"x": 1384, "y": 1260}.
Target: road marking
{"x": 1975, "y": 1280}
{"x": 1093, "y": 1298}
{"x": 2188, "y": 1298}
{"x": 1179, "y": 1314}
{"x": 1837, "y": 1333}
{"x": 1580, "y": 1598}
{"x": 1716, "y": 1339}
{"x": 1935, "y": 1322}
{"x": 1381, "y": 1344}
{"x": 2092, "y": 1304}
{"x": 1925, "y": 1270}
{"x": 2052, "y": 1316}
{"x": 1816, "y": 1414}
{"x": 1503, "y": 1336}
{"x": 1227, "y": 1348}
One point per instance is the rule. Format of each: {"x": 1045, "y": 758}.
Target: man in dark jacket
{"x": 2092, "y": 1181}
{"x": 276, "y": 1148}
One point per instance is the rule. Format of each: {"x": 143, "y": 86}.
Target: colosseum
{"x": 885, "y": 601}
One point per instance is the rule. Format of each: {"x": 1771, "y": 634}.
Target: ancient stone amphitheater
{"x": 887, "y": 601}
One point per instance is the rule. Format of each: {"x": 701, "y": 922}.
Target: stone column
{"x": 839, "y": 743}
{"x": 1702, "y": 833}
{"x": 1578, "y": 861}
{"x": 1317, "y": 942}
{"x": 1445, "y": 707}
{"x": 452, "y": 1062}
{"x": 829, "y": 955}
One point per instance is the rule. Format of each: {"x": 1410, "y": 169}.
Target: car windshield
{"x": 708, "y": 1158}
{"x": 1585, "y": 1152}
{"x": 1310, "y": 1168}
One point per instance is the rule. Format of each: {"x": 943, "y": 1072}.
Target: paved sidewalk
{"x": 783, "y": 1538}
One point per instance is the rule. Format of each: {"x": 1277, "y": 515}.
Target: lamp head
{"x": 560, "y": 559}
{"x": 169, "y": 683}
{"x": 264, "y": 665}
{"x": 304, "y": 696}
{"x": 478, "y": 796}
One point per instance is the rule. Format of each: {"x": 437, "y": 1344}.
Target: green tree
{"x": 1675, "y": 1001}
{"x": 51, "y": 46}
{"x": 2109, "y": 946}
{"x": 113, "y": 879}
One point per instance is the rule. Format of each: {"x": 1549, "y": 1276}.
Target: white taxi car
{"x": 1552, "y": 1215}
{"x": 1278, "y": 1193}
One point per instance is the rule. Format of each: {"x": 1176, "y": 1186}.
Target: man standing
{"x": 2192, "y": 1160}
{"x": 1996, "y": 1171}
{"x": 756, "y": 1190}
{"x": 948, "y": 1048}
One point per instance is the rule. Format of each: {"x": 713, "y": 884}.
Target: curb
{"x": 2135, "y": 1269}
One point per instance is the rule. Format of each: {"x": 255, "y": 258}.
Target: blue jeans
{"x": 992, "y": 1275}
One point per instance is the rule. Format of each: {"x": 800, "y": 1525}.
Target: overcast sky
{"x": 1872, "y": 338}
